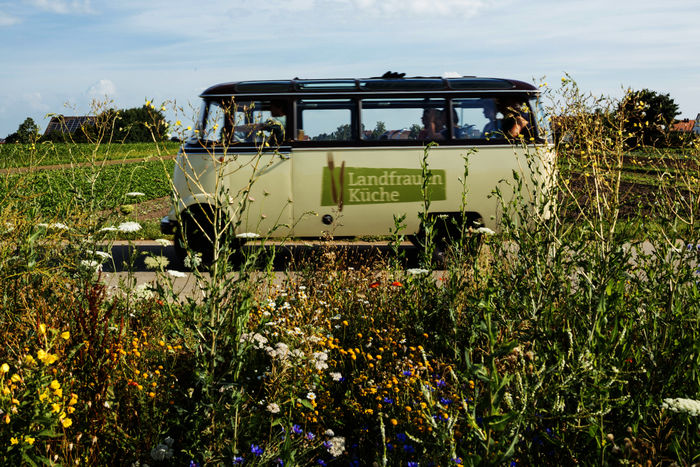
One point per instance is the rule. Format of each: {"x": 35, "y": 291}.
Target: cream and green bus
{"x": 305, "y": 157}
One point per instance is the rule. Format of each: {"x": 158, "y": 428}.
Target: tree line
{"x": 134, "y": 125}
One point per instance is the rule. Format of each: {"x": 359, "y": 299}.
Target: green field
{"x": 43, "y": 154}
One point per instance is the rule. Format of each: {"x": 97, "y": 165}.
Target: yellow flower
{"x": 178, "y": 123}
{"x": 148, "y": 103}
{"x": 58, "y": 392}
{"x": 5, "y": 368}
{"x": 29, "y": 359}
{"x": 55, "y": 408}
{"x": 42, "y": 328}
{"x": 189, "y": 128}
{"x": 55, "y": 384}
{"x": 15, "y": 378}
{"x": 14, "y": 440}
{"x": 73, "y": 399}
{"x": 65, "y": 335}
{"x": 66, "y": 422}
{"x": 394, "y": 422}
{"x": 29, "y": 440}
{"x": 6, "y": 419}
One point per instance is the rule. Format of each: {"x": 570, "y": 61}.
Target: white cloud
{"x": 62, "y": 6}
{"x": 7, "y": 20}
{"x": 101, "y": 89}
{"x": 35, "y": 102}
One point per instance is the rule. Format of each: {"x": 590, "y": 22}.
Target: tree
{"x": 647, "y": 116}
{"x": 27, "y": 132}
{"x": 140, "y": 124}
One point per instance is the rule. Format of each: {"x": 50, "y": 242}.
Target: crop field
{"x": 556, "y": 341}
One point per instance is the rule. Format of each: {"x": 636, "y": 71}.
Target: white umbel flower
{"x": 129, "y": 227}
{"x": 485, "y": 231}
{"x": 681, "y": 405}
{"x": 247, "y": 235}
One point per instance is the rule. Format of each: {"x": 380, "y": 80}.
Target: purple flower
{"x": 255, "y": 449}
{"x": 321, "y": 462}
{"x": 407, "y": 373}
{"x": 445, "y": 401}
{"x": 193, "y": 464}
{"x": 238, "y": 460}
{"x": 409, "y": 448}
{"x": 457, "y": 460}
{"x": 401, "y": 437}
{"x": 441, "y": 383}
{"x": 388, "y": 400}
{"x": 412, "y": 464}
{"x": 310, "y": 436}
{"x": 297, "y": 429}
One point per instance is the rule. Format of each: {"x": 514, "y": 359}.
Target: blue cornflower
{"x": 457, "y": 460}
{"x": 255, "y": 449}
{"x": 389, "y": 447}
{"x": 327, "y": 444}
{"x": 310, "y": 436}
{"x": 321, "y": 462}
{"x": 513, "y": 463}
{"x": 388, "y": 400}
{"x": 441, "y": 383}
{"x": 297, "y": 429}
{"x": 193, "y": 464}
{"x": 238, "y": 460}
{"x": 407, "y": 373}
{"x": 412, "y": 464}
{"x": 445, "y": 401}
{"x": 401, "y": 437}
{"x": 280, "y": 462}
{"x": 409, "y": 448}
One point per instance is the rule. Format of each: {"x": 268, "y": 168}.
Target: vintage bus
{"x": 303, "y": 157}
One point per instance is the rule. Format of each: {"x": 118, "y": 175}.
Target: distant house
{"x": 63, "y": 124}
{"x": 696, "y": 127}
{"x": 684, "y": 126}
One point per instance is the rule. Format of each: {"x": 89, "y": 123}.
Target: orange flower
{"x": 374, "y": 285}
{"x": 396, "y": 284}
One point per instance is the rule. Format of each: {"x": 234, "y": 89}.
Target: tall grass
{"x": 569, "y": 337}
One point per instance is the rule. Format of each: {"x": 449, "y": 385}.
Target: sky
{"x": 65, "y": 56}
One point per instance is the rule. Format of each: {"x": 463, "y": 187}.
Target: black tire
{"x": 446, "y": 230}
{"x": 197, "y": 232}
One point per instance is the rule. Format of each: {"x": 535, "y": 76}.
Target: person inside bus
{"x": 275, "y": 125}
{"x": 433, "y": 125}
{"x": 515, "y": 118}
{"x": 493, "y": 127}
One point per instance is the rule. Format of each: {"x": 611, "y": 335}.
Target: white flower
{"x": 135, "y": 194}
{"x": 55, "y": 225}
{"x": 90, "y": 264}
{"x": 109, "y": 229}
{"x": 163, "y": 241}
{"x": 417, "y": 271}
{"x": 129, "y": 227}
{"x": 174, "y": 273}
{"x": 336, "y": 446}
{"x": 485, "y": 231}
{"x": 247, "y": 235}
{"x": 336, "y": 377}
{"x": 273, "y": 408}
{"x": 192, "y": 261}
{"x": 311, "y": 396}
{"x": 681, "y": 405}
{"x": 156, "y": 262}
{"x": 100, "y": 254}
{"x": 143, "y": 292}
{"x": 329, "y": 432}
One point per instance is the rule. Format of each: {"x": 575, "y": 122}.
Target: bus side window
{"x": 324, "y": 120}
{"x": 403, "y": 119}
{"x": 476, "y": 118}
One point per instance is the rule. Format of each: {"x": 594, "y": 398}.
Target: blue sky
{"x": 59, "y": 55}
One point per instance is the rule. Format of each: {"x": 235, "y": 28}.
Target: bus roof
{"x": 381, "y": 84}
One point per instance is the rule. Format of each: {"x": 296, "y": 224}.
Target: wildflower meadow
{"x": 569, "y": 336}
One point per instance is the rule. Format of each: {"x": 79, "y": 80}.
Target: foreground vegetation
{"x": 563, "y": 339}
